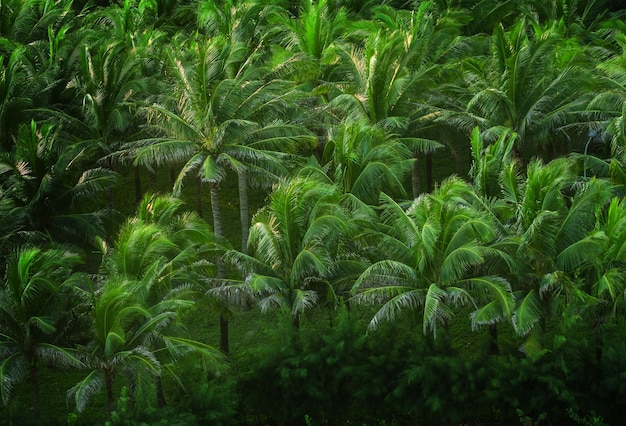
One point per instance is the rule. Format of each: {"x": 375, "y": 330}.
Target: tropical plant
{"x": 363, "y": 160}
{"x": 525, "y": 86}
{"x": 36, "y": 293}
{"x": 553, "y": 222}
{"x": 434, "y": 257}
{"x": 49, "y": 182}
{"x": 222, "y": 118}
{"x": 291, "y": 246}
{"x": 148, "y": 279}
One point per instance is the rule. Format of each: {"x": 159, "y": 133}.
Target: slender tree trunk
{"x": 152, "y": 176}
{"x": 34, "y": 379}
{"x": 138, "y": 193}
{"x": 296, "y": 321}
{"x": 108, "y": 379}
{"x": 493, "y": 339}
{"x": 415, "y": 177}
{"x": 221, "y": 272}
{"x": 109, "y": 191}
{"x": 244, "y": 211}
{"x": 429, "y": 173}
{"x": 172, "y": 174}
{"x": 224, "y": 341}
{"x": 160, "y": 396}
{"x": 199, "y": 199}
{"x": 216, "y": 211}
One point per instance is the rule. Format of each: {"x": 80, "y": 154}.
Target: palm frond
{"x": 12, "y": 371}
{"x": 527, "y": 314}
{"x": 435, "y": 309}
{"x": 84, "y": 390}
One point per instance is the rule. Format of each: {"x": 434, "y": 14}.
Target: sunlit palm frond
{"x": 527, "y": 313}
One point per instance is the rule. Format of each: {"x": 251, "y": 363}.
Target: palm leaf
{"x": 435, "y": 309}
{"x": 527, "y": 314}
{"x": 12, "y": 371}
{"x": 85, "y": 389}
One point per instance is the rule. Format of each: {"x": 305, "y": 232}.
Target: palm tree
{"x": 291, "y": 248}
{"x": 14, "y": 95}
{"x": 222, "y": 121}
{"x": 434, "y": 257}
{"x": 394, "y": 82}
{"x": 526, "y": 85}
{"x": 48, "y": 182}
{"x": 363, "y": 160}
{"x": 148, "y": 278}
{"x": 108, "y": 85}
{"x": 555, "y": 241}
{"x": 34, "y": 296}
{"x": 120, "y": 328}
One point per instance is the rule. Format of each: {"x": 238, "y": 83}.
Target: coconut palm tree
{"x": 292, "y": 243}
{"x": 363, "y": 160}
{"x": 120, "y": 329}
{"x": 34, "y": 297}
{"x": 48, "y": 181}
{"x": 148, "y": 277}
{"x": 222, "y": 121}
{"x": 525, "y": 85}
{"x": 553, "y": 224}
{"x": 14, "y": 95}
{"x": 434, "y": 257}
{"x": 394, "y": 81}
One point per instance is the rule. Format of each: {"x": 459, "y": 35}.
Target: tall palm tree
{"x": 434, "y": 257}
{"x": 394, "y": 81}
{"x": 34, "y": 296}
{"x": 222, "y": 119}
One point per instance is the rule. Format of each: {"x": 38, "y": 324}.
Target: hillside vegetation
{"x": 312, "y": 212}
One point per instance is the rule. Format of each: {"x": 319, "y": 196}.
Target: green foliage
{"x": 238, "y": 94}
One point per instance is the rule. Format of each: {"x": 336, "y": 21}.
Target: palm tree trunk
{"x": 224, "y": 344}
{"x": 34, "y": 379}
{"x": 221, "y": 272}
{"x": 199, "y": 199}
{"x": 429, "y": 173}
{"x": 216, "y": 211}
{"x": 244, "y": 210}
{"x": 108, "y": 379}
{"x": 493, "y": 339}
{"x": 172, "y": 174}
{"x": 109, "y": 191}
{"x": 160, "y": 396}
{"x": 138, "y": 193}
{"x": 154, "y": 187}
{"x": 415, "y": 177}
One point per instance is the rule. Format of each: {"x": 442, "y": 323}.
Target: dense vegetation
{"x": 416, "y": 212}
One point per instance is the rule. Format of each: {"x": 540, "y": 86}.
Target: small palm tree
{"x": 149, "y": 276}
{"x": 434, "y": 257}
{"x": 556, "y": 242}
{"x": 291, "y": 249}
{"x": 363, "y": 160}
{"x": 34, "y": 295}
